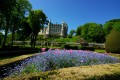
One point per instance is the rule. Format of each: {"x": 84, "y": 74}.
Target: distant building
{"x": 54, "y": 29}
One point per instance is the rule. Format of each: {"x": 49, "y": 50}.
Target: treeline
{"x": 19, "y": 21}
{"x": 93, "y": 32}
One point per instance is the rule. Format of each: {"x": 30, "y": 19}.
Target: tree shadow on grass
{"x": 44, "y": 76}
{"x": 114, "y": 76}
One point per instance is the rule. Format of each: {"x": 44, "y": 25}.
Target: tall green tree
{"x": 13, "y": 11}
{"x": 2, "y": 21}
{"x": 6, "y": 8}
{"x": 36, "y": 19}
{"x": 24, "y": 31}
{"x": 22, "y": 8}
{"x": 111, "y": 24}
{"x": 1, "y": 37}
{"x": 72, "y": 32}
{"x": 78, "y": 30}
{"x": 93, "y": 32}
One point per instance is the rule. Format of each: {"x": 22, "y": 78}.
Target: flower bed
{"x": 56, "y": 59}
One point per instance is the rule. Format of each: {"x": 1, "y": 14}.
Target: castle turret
{"x": 48, "y": 30}
{"x": 64, "y": 29}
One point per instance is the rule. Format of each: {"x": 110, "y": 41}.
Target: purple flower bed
{"x": 56, "y": 59}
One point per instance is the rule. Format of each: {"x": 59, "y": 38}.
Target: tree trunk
{"x": 35, "y": 37}
{"x": 13, "y": 33}
{"x": 6, "y": 31}
{"x": 32, "y": 40}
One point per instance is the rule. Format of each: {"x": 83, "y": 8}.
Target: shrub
{"x": 65, "y": 46}
{"x": 86, "y": 48}
{"x": 74, "y": 47}
{"x": 112, "y": 43}
{"x": 83, "y": 42}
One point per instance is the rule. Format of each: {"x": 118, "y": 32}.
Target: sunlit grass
{"x": 100, "y": 51}
{"x": 13, "y": 59}
{"x": 111, "y": 54}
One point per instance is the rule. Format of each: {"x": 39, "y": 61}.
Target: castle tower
{"x": 64, "y": 29}
{"x": 48, "y": 30}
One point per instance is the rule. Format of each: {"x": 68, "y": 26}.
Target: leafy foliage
{"x": 24, "y": 31}
{"x": 111, "y": 24}
{"x": 36, "y": 20}
{"x": 1, "y": 37}
{"x": 86, "y": 48}
{"x": 92, "y": 32}
{"x": 12, "y": 12}
{"x": 78, "y": 30}
{"x": 72, "y": 32}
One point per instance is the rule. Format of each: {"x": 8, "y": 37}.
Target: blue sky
{"x": 78, "y": 12}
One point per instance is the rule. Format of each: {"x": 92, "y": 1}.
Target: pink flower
{"x": 70, "y": 51}
{"x": 43, "y": 49}
{"x": 55, "y": 52}
{"x": 43, "y": 52}
{"x": 79, "y": 50}
{"x": 57, "y": 49}
{"x": 58, "y": 52}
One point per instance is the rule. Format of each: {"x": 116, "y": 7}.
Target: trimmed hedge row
{"x": 66, "y": 46}
{"x": 16, "y": 51}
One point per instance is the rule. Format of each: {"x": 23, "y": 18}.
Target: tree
{"x": 13, "y": 11}
{"x": 72, "y": 32}
{"x": 93, "y": 32}
{"x": 24, "y": 31}
{"x": 36, "y": 19}
{"x": 78, "y": 30}
{"x": 6, "y": 8}
{"x": 19, "y": 13}
{"x": 1, "y": 37}
{"x": 111, "y": 24}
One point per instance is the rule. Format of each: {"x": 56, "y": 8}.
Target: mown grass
{"x": 111, "y": 54}
{"x": 95, "y": 72}
{"x": 100, "y": 51}
{"x": 8, "y": 60}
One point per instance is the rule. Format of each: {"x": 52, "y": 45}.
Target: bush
{"x": 83, "y": 42}
{"x": 65, "y": 46}
{"x": 112, "y": 43}
{"x": 74, "y": 47}
{"x": 86, "y": 48}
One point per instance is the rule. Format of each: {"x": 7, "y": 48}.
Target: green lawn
{"x": 111, "y": 54}
{"x": 100, "y": 51}
{"x": 4, "y": 60}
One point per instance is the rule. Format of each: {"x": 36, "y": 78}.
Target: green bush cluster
{"x": 112, "y": 43}
{"x": 66, "y": 46}
{"x": 86, "y": 48}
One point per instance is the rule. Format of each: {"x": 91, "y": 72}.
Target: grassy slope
{"x": 13, "y": 59}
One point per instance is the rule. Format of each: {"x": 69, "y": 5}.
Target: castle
{"x": 54, "y": 29}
